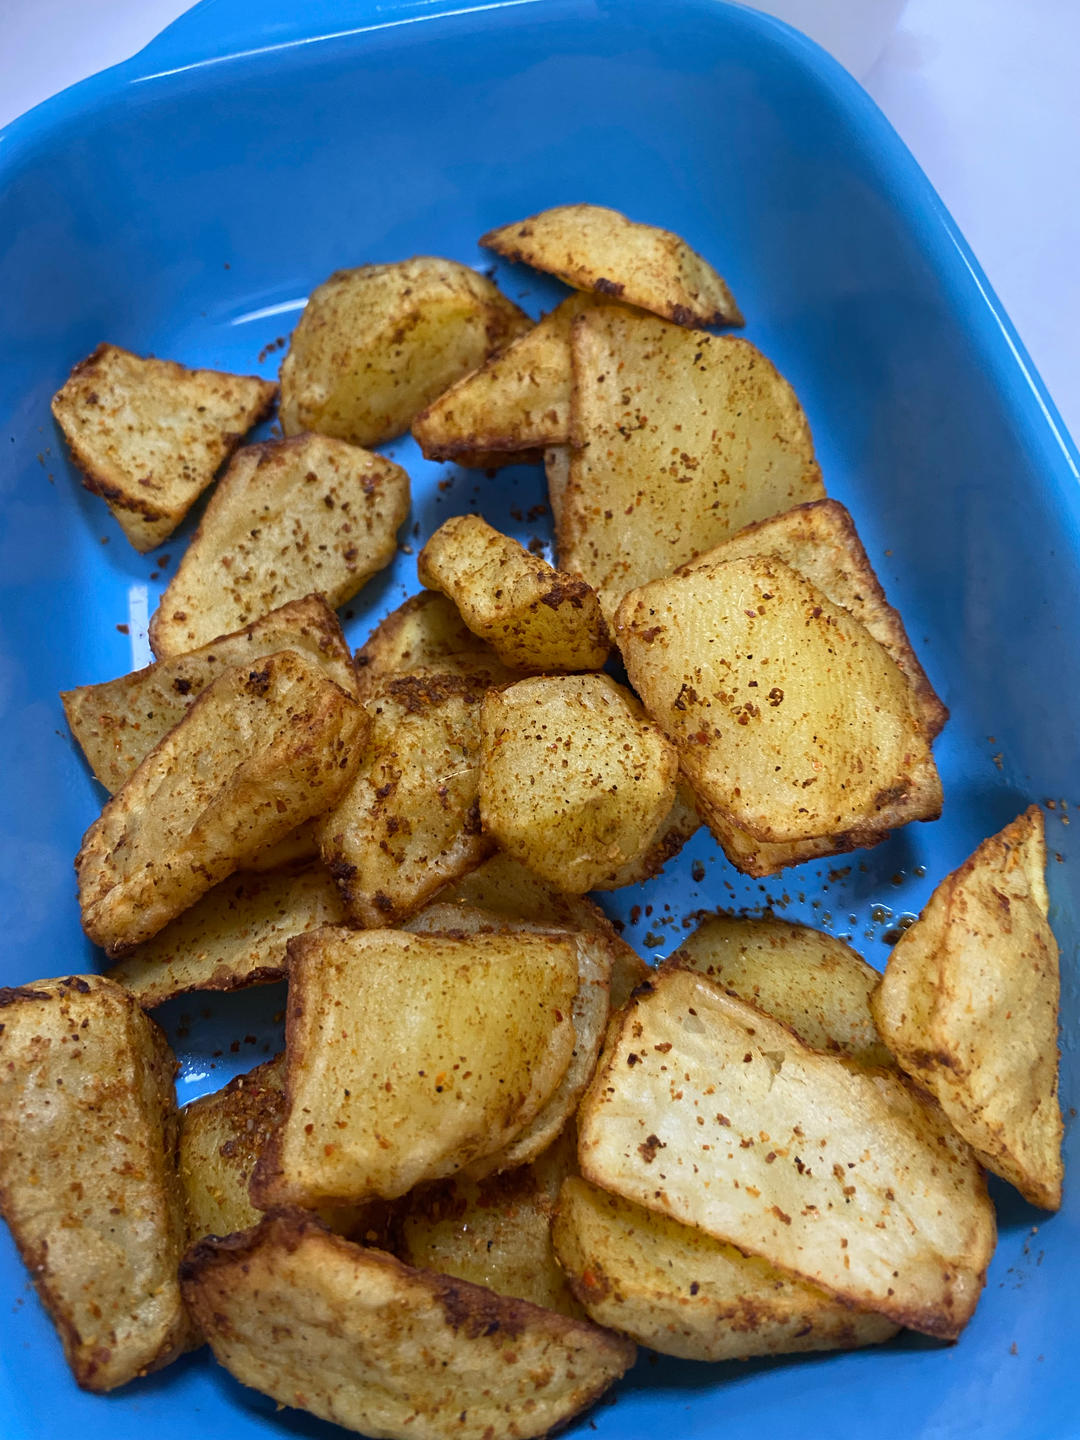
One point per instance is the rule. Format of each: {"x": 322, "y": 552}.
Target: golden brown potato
{"x": 259, "y": 752}
{"x": 150, "y": 435}
{"x": 424, "y": 634}
{"x": 410, "y": 1056}
{"x": 557, "y": 475}
{"x": 681, "y": 1292}
{"x": 574, "y": 782}
{"x": 593, "y": 248}
{"x": 678, "y": 825}
{"x": 88, "y": 1181}
{"x": 789, "y": 739}
{"x": 377, "y": 344}
{"x": 820, "y": 541}
{"x": 359, "y": 1338}
{"x": 969, "y": 1006}
{"x": 533, "y": 616}
{"x": 233, "y": 937}
{"x": 410, "y": 822}
{"x": 811, "y": 981}
{"x": 678, "y": 439}
{"x": 288, "y": 518}
{"x": 119, "y": 722}
{"x": 712, "y": 1113}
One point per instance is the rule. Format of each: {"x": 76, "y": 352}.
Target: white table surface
{"x": 984, "y": 92}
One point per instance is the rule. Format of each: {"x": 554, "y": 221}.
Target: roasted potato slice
{"x": 593, "y": 248}
{"x": 150, "y": 435}
{"x": 233, "y": 937}
{"x": 574, "y": 781}
{"x": 533, "y": 616}
{"x": 471, "y": 1036}
{"x": 820, "y": 541}
{"x": 678, "y": 439}
{"x": 119, "y": 722}
{"x": 377, "y": 344}
{"x": 557, "y": 475}
{"x": 792, "y": 722}
{"x": 359, "y": 1338}
{"x": 424, "y": 634}
{"x": 714, "y": 1114}
{"x": 259, "y": 752}
{"x": 288, "y": 517}
{"x": 681, "y": 1292}
{"x": 411, "y": 820}
{"x": 809, "y": 980}
{"x": 678, "y": 825}
{"x": 88, "y": 1181}
{"x": 969, "y": 1006}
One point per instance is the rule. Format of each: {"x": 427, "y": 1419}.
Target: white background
{"x": 984, "y": 92}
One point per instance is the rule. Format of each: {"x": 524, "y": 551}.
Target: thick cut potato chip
{"x": 533, "y": 616}
{"x": 411, "y": 820}
{"x": 259, "y": 752}
{"x": 557, "y": 475}
{"x": 359, "y": 1338}
{"x": 683, "y": 1293}
{"x": 820, "y": 541}
{"x": 809, "y": 980}
{"x": 678, "y": 439}
{"x": 792, "y": 722}
{"x": 574, "y": 781}
{"x": 678, "y": 825}
{"x": 377, "y": 344}
{"x": 410, "y": 1056}
{"x": 969, "y": 1007}
{"x": 426, "y": 633}
{"x": 119, "y": 722}
{"x": 233, "y": 937}
{"x": 593, "y": 248}
{"x": 289, "y": 517}
{"x": 88, "y": 1181}
{"x": 708, "y": 1111}
{"x": 150, "y": 435}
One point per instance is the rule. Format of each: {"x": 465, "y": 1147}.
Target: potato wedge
{"x": 557, "y": 475}
{"x": 410, "y": 1056}
{"x": 288, "y": 517}
{"x": 678, "y": 439}
{"x": 119, "y": 722}
{"x": 533, "y": 616}
{"x": 809, "y": 980}
{"x": 820, "y": 541}
{"x": 678, "y": 825}
{"x": 593, "y": 248}
{"x": 410, "y": 823}
{"x": 835, "y": 1172}
{"x": 681, "y": 1292}
{"x": 790, "y": 739}
{"x": 359, "y": 1338}
{"x": 574, "y": 781}
{"x": 969, "y": 1006}
{"x": 426, "y": 633}
{"x": 377, "y": 344}
{"x": 150, "y": 435}
{"x": 88, "y": 1182}
{"x": 259, "y": 752}
{"x": 233, "y": 937}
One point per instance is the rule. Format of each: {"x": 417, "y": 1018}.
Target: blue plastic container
{"x": 185, "y": 202}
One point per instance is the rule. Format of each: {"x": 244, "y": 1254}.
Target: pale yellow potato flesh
{"x": 533, "y": 616}
{"x": 594, "y": 248}
{"x": 678, "y": 825}
{"x": 809, "y": 980}
{"x": 376, "y": 345}
{"x": 259, "y": 752}
{"x": 395, "y": 1353}
{"x": 150, "y": 435}
{"x": 969, "y": 1006}
{"x": 88, "y": 1179}
{"x": 426, "y": 633}
{"x": 678, "y": 439}
{"x": 119, "y": 722}
{"x": 409, "y": 1057}
{"x": 288, "y": 518}
{"x": 708, "y": 1111}
{"x": 557, "y": 475}
{"x": 682, "y": 1293}
{"x": 574, "y": 781}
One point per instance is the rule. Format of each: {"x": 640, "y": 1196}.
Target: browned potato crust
{"x": 88, "y": 1182}
{"x": 425, "y": 634}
